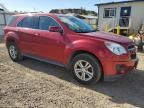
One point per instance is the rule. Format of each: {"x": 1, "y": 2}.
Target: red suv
{"x": 70, "y": 42}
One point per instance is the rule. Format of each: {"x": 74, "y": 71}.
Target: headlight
{"x": 115, "y": 48}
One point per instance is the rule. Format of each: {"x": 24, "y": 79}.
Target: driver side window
{"x": 45, "y": 22}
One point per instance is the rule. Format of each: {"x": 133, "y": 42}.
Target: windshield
{"x": 75, "y": 24}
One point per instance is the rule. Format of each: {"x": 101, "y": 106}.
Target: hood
{"x": 108, "y": 37}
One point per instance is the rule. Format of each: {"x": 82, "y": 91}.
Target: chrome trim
{"x": 131, "y": 49}
{"x": 39, "y": 20}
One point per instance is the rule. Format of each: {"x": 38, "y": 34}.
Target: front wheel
{"x": 86, "y": 69}
{"x": 14, "y": 53}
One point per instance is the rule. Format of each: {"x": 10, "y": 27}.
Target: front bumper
{"x": 115, "y": 70}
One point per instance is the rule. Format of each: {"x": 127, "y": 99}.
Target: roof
{"x": 40, "y": 14}
{"x": 128, "y": 1}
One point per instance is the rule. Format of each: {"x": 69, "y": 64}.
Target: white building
{"x": 5, "y": 15}
{"x": 128, "y": 15}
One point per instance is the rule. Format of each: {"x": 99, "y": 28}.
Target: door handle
{"x": 17, "y": 30}
{"x": 37, "y": 34}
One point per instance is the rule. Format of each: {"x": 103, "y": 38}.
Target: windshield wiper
{"x": 86, "y": 31}
{"x": 94, "y": 30}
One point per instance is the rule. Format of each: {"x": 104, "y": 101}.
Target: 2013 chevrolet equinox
{"x": 68, "y": 41}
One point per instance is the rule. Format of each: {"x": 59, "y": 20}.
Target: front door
{"x": 50, "y": 45}
{"x": 125, "y": 14}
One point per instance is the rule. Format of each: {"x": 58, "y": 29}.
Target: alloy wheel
{"x": 13, "y": 51}
{"x": 84, "y": 70}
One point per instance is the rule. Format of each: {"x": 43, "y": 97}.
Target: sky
{"x": 47, "y": 5}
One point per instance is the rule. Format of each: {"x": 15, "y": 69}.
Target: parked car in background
{"x": 70, "y": 42}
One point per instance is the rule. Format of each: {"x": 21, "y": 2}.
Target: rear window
{"x": 29, "y": 22}
{"x": 11, "y": 20}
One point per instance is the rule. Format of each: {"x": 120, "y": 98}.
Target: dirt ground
{"x": 35, "y": 84}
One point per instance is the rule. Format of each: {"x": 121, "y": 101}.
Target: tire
{"x": 86, "y": 69}
{"x": 14, "y": 52}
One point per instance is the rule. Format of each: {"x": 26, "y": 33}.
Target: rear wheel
{"x": 86, "y": 69}
{"x": 14, "y": 52}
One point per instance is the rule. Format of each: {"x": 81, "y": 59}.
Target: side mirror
{"x": 55, "y": 29}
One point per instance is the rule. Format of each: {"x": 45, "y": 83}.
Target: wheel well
{"x": 9, "y": 41}
{"x": 86, "y": 52}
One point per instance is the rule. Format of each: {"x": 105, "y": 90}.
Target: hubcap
{"x": 83, "y": 70}
{"x": 13, "y": 51}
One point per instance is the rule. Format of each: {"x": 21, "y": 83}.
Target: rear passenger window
{"x": 45, "y": 22}
{"x": 29, "y": 22}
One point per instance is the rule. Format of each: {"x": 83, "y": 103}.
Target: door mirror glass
{"x": 55, "y": 29}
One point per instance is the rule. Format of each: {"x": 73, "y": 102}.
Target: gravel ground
{"x": 35, "y": 84}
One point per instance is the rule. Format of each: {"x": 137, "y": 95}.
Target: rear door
{"x": 26, "y": 31}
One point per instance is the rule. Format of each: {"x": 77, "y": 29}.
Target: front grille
{"x": 131, "y": 47}
{"x": 132, "y": 51}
